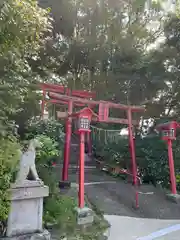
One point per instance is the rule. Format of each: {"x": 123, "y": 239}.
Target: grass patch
{"x": 93, "y": 231}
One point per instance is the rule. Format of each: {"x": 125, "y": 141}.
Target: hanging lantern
{"x": 83, "y": 124}
{"x": 83, "y": 120}
{"x": 168, "y": 130}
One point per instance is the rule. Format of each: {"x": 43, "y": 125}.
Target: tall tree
{"x": 166, "y": 71}
{"x": 22, "y": 25}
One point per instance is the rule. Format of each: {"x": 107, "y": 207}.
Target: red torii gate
{"x": 60, "y": 94}
{"x": 104, "y": 117}
{"x": 55, "y": 88}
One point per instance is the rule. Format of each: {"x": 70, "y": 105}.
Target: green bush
{"x": 49, "y": 127}
{"x": 9, "y": 158}
{"x": 48, "y": 152}
{"x": 44, "y": 156}
{"x": 151, "y": 156}
{"x": 152, "y": 159}
{"x": 114, "y": 152}
{"x": 58, "y": 209}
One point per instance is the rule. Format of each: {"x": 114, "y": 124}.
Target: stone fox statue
{"x": 27, "y": 163}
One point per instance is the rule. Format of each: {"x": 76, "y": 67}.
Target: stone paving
{"x": 128, "y": 228}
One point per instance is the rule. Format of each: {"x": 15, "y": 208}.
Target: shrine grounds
{"x": 156, "y": 218}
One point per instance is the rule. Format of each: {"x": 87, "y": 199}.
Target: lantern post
{"x": 171, "y": 167}
{"x": 168, "y": 131}
{"x": 83, "y": 119}
{"x": 81, "y": 170}
{"x": 133, "y": 155}
{"x": 132, "y": 148}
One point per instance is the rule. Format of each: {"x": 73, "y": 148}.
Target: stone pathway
{"x": 129, "y": 228}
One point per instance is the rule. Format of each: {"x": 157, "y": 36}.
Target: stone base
{"x": 27, "y": 183}
{"x": 135, "y": 207}
{"x": 64, "y": 184}
{"x": 173, "y": 197}
{"x": 25, "y": 215}
{"x": 84, "y": 216}
{"x": 45, "y": 235}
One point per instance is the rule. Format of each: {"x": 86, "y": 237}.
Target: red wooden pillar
{"x": 133, "y": 156}
{"x": 132, "y": 148}
{"x": 81, "y": 171}
{"x": 171, "y": 167}
{"x": 67, "y": 143}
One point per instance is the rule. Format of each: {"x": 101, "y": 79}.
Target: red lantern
{"x": 83, "y": 120}
{"x": 168, "y": 130}
{"x": 169, "y": 133}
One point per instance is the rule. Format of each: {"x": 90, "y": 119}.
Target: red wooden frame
{"x": 59, "y": 94}
{"x": 55, "y": 88}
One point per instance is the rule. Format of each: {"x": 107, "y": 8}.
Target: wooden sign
{"x": 62, "y": 114}
{"x": 103, "y": 112}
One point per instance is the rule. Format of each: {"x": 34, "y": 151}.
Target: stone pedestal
{"x": 84, "y": 216}
{"x": 26, "y": 212}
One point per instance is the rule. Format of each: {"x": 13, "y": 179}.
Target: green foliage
{"x": 48, "y": 150}
{"x": 152, "y": 158}
{"x": 22, "y": 27}
{"x": 58, "y": 209}
{"x": 20, "y": 20}
{"x": 9, "y": 158}
{"x": 50, "y": 133}
{"x": 178, "y": 182}
{"x": 44, "y": 156}
{"x": 151, "y": 155}
{"x": 106, "y": 48}
{"x": 50, "y": 128}
{"x": 115, "y": 152}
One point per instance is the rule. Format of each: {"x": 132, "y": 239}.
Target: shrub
{"x": 152, "y": 159}
{"x": 48, "y": 152}
{"x": 50, "y": 128}
{"x": 151, "y": 156}
{"x": 58, "y": 209}
{"x": 9, "y": 158}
